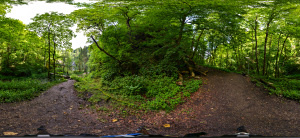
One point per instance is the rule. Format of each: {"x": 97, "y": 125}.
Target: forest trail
{"x": 57, "y": 109}
{"x": 231, "y": 100}
{"x": 225, "y": 102}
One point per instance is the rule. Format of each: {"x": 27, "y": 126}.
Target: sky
{"x": 26, "y": 12}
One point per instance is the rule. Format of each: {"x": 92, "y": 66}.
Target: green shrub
{"x": 75, "y": 77}
{"x": 159, "y": 91}
{"x": 286, "y": 87}
{"x": 25, "y": 89}
{"x": 294, "y": 76}
{"x": 128, "y": 85}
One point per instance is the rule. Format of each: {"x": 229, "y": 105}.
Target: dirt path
{"x": 225, "y": 102}
{"x": 57, "y": 109}
{"x": 232, "y": 100}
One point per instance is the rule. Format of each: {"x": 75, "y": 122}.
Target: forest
{"x": 151, "y": 54}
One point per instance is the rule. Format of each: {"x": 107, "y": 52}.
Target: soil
{"x": 224, "y": 102}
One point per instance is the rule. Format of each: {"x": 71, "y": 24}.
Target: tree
{"x": 56, "y": 28}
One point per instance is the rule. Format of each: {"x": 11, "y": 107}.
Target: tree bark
{"x": 54, "y": 54}
{"x": 49, "y": 51}
{"x": 256, "y": 57}
{"x": 45, "y": 53}
{"x": 197, "y": 45}
{"x": 283, "y": 46}
{"x": 276, "y": 61}
{"x": 269, "y": 55}
{"x": 265, "y": 47}
{"x": 182, "y": 23}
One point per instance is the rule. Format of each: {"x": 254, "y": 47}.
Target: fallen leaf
{"x": 9, "y": 133}
{"x": 167, "y": 125}
{"x": 114, "y": 120}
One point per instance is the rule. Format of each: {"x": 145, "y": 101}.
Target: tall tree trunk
{"x": 283, "y": 46}
{"x": 265, "y": 47}
{"x": 182, "y": 23}
{"x": 68, "y": 65}
{"x": 269, "y": 55}
{"x": 45, "y": 54}
{"x": 256, "y": 54}
{"x": 54, "y": 54}
{"x": 197, "y": 45}
{"x": 276, "y": 61}
{"x": 49, "y": 51}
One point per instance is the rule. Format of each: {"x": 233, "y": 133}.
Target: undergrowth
{"x": 157, "y": 92}
{"x": 286, "y": 87}
{"x": 16, "y": 90}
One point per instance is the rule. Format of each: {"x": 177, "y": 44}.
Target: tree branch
{"x": 101, "y": 49}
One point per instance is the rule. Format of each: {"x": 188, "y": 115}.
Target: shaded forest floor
{"x": 224, "y": 102}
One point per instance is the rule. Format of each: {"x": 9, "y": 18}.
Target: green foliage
{"x": 291, "y": 68}
{"x": 294, "y": 76}
{"x": 76, "y": 77}
{"x": 158, "y": 92}
{"x": 286, "y": 87}
{"x": 25, "y": 89}
{"x": 22, "y": 53}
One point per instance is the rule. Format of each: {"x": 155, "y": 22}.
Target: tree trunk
{"x": 182, "y": 23}
{"x": 276, "y": 61}
{"x": 45, "y": 54}
{"x": 54, "y": 54}
{"x": 269, "y": 55}
{"x": 197, "y": 45}
{"x": 283, "y": 46}
{"x": 256, "y": 56}
{"x": 49, "y": 51}
{"x": 265, "y": 47}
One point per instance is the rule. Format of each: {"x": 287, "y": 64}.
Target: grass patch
{"x": 158, "y": 92}
{"x": 286, "y": 87}
{"x": 17, "y": 90}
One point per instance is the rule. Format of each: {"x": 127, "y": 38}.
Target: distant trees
{"x": 80, "y": 57}
{"x": 55, "y": 27}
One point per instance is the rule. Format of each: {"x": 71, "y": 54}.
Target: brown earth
{"x": 225, "y": 102}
